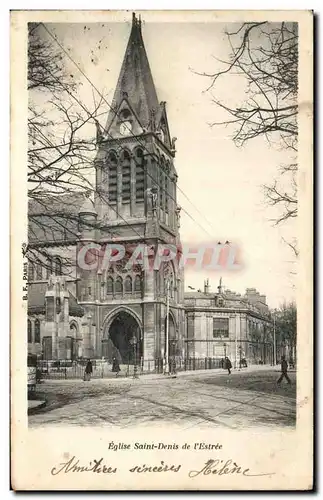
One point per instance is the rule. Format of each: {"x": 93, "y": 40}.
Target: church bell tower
{"x": 135, "y": 202}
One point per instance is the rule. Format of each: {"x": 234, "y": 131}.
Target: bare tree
{"x": 286, "y": 328}
{"x": 45, "y": 64}
{"x": 266, "y": 56}
{"x": 61, "y": 149}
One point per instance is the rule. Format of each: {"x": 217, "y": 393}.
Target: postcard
{"x": 161, "y": 250}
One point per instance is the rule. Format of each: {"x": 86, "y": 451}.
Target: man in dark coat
{"x": 228, "y": 365}
{"x": 115, "y": 366}
{"x": 284, "y": 367}
{"x": 88, "y": 370}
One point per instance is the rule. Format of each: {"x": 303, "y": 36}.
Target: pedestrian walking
{"x": 228, "y": 365}
{"x": 172, "y": 366}
{"x": 244, "y": 363}
{"x": 284, "y": 367}
{"x": 38, "y": 375}
{"x": 115, "y": 366}
{"x": 88, "y": 371}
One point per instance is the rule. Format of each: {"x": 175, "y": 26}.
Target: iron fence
{"x": 103, "y": 369}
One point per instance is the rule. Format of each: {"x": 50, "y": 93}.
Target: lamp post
{"x": 225, "y": 349}
{"x": 133, "y": 342}
{"x": 275, "y": 353}
{"x": 167, "y": 328}
{"x": 236, "y": 343}
{"x": 173, "y": 370}
{"x": 240, "y": 348}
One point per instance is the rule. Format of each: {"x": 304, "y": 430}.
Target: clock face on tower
{"x": 125, "y": 128}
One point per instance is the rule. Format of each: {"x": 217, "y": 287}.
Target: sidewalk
{"x": 249, "y": 398}
{"x": 35, "y": 404}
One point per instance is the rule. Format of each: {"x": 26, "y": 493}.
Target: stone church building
{"x": 80, "y": 313}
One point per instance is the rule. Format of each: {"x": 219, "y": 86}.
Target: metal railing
{"x": 103, "y": 369}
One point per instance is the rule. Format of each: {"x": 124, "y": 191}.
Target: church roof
{"x": 54, "y": 218}
{"x": 135, "y": 81}
{"x": 36, "y": 298}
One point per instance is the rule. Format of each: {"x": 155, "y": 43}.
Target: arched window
{"x": 126, "y": 176}
{"x": 137, "y": 286}
{"x": 109, "y": 286}
{"x": 112, "y": 166}
{"x": 112, "y": 158}
{"x": 30, "y": 271}
{"x": 73, "y": 330}
{"x": 140, "y": 177}
{"x": 128, "y": 284}
{"x": 39, "y": 271}
{"x": 57, "y": 266}
{"x": 124, "y": 114}
{"x": 37, "y": 331}
{"x": 30, "y": 339}
{"x": 119, "y": 285}
{"x": 48, "y": 268}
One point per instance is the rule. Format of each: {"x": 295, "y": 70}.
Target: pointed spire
{"x": 135, "y": 79}
{"x": 136, "y": 22}
{"x": 99, "y": 135}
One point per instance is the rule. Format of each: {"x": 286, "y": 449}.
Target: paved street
{"x": 210, "y": 398}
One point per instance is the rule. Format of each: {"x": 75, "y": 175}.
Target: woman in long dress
{"x": 115, "y": 366}
{"x": 88, "y": 370}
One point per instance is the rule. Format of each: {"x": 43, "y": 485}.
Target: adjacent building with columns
{"x": 226, "y": 323}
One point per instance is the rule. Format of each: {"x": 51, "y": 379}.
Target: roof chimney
{"x": 206, "y": 286}
{"x": 220, "y": 288}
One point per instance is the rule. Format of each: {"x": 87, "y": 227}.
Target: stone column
{"x": 149, "y": 325}
{"x": 50, "y": 323}
{"x": 88, "y": 347}
{"x": 191, "y": 330}
{"x": 57, "y": 315}
{"x": 97, "y": 332}
{"x": 69, "y": 347}
{"x": 149, "y": 317}
{"x": 62, "y": 315}
{"x": 79, "y": 347}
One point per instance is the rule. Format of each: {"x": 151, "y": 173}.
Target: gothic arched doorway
{"x": 122, "y": 339}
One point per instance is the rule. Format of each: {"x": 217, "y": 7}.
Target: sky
{"x": 222, "y": 181}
